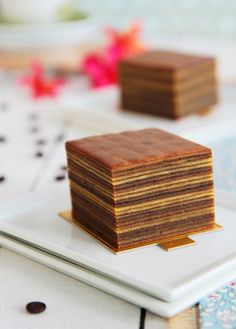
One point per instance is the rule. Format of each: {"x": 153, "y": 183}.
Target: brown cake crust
{"x": 167, "y": 60}
{"x": 131, "y": 148}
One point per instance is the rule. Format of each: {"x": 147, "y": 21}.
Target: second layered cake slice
{"x": 167, "y": 83}
{"x": 137, "y": 188}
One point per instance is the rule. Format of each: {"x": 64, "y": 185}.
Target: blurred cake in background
{"x": 167, "y": 83}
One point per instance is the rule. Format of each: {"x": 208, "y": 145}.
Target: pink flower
{"x": 101, "y": 67}
{"x": 39, "y": 84}
{"x": 127, "y": 41}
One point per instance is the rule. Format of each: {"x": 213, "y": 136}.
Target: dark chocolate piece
{"x": 4, "y": 106}
{"x": 60, "y": 177}
{"x": 60, "y": 138}
{"x": 39, "y": 154}
{"x": 35, "y": 307}
{"x": 41, "y": 141}
{"x": 2, "y": 139}
{"x": 2, "y": 179}
{"x": 33, "y": 116}
{"x": 34, "y": 130}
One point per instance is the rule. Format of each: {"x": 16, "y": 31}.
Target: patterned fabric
{"x": 224, "y": 154}
{"x": 218, "y": 310}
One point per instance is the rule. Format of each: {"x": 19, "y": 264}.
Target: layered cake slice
{"x": 169, "y": 84}
{"x": 137, "y": 188}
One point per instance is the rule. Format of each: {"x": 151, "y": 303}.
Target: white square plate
{"x": 114, "y": 287}
{"x": 151, "y": 271}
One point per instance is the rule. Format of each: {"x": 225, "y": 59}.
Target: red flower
{"x": 128, "y": 41}
{"x": 39, "y": 83}
{"x": 101, "y": 67}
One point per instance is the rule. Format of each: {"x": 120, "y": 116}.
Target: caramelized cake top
{"x": 166, "y": 60}
{"x": 133, "y": 148}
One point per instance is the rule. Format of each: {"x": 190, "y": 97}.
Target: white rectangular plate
{"x": 164, "y": 275}
{"x": 113, "y": 287}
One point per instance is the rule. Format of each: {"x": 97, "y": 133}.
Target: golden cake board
{"x": 175, "y": 243}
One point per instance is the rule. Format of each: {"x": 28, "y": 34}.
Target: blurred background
{"x": 58, "y": 78}
{"x": 38, "y": 29}
{"x": 198, "y": 18}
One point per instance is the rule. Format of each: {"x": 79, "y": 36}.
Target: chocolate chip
{"x": 39, "y": 154}
{"x": 2, "y": 139}
{"x": 60, "y": 177}
{"x": 2, "y": 179}
{"x": 34, "y": 130}
{"x": 33, "y": 116}
{"x": 60, "y": 138}
{"x": 35, "y": 307}
{"x": 4, "y": 106}
{"x": 41, "y": 141}
{"x": 63, "y": 167}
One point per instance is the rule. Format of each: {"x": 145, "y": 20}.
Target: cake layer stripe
{"x": 152, "y": 221}
{"x": 119, "y": 210}
{"x": 145, "y": 181}
{"x": 175, "y": 99}
{"x": 184, "y": 163}
{"x": 171, "y": 110}
{"x": 155, "y": 233}
{"x": 165, "y": 88}
{"x": 139, "y": 173}
{"x": 172, "y": 212}
{"x": 182, "y": 159}
{"x": 137, "y": 199}
{"x": 135, "y": 192}
{"x": 168, "y": 230}
{"x": 168, "y": 76}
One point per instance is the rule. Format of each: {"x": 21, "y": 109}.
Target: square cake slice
{"x": 140, "y": 187}
{"x": 167, "y": 83}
